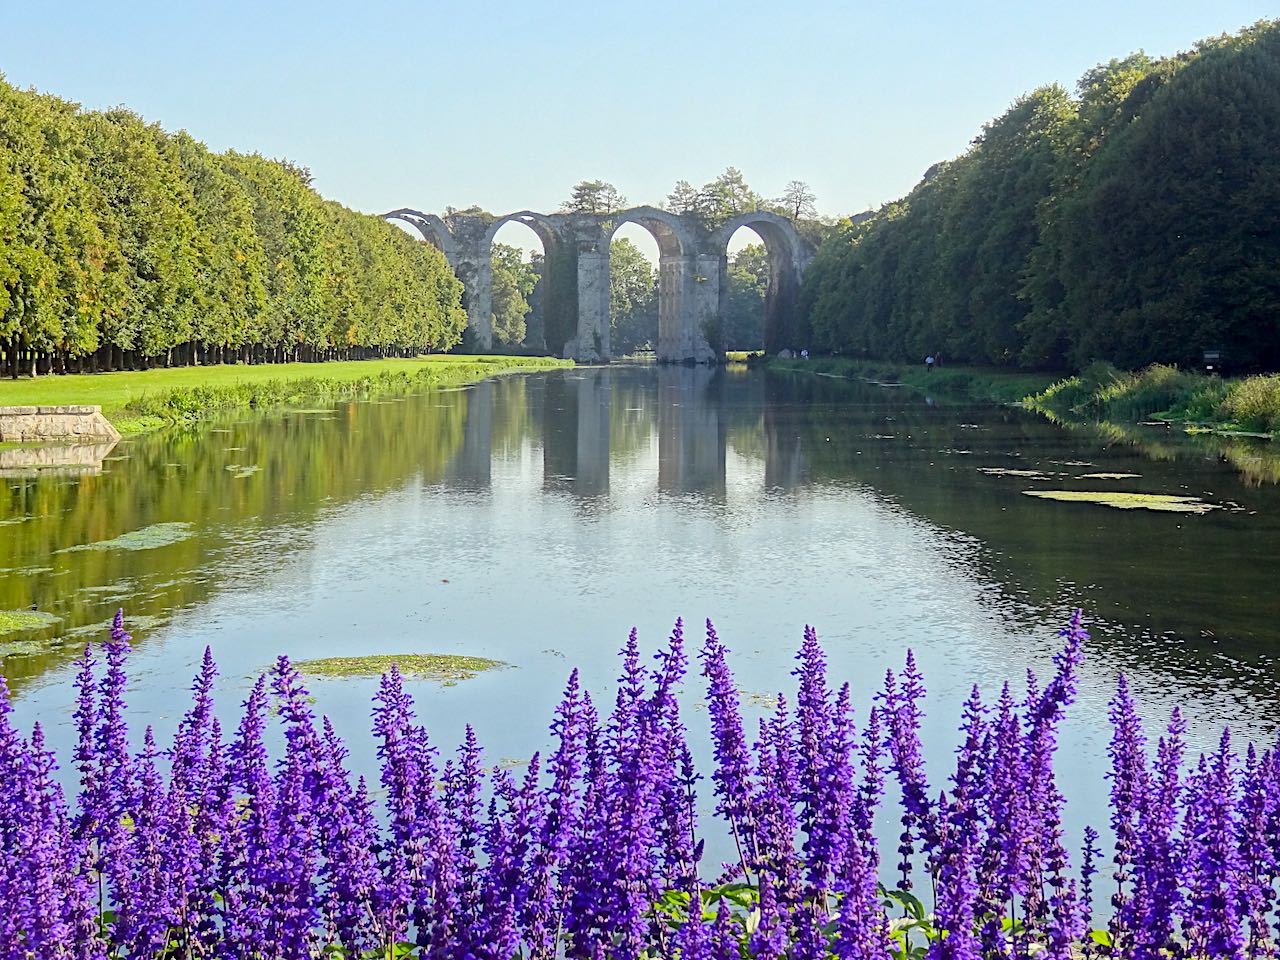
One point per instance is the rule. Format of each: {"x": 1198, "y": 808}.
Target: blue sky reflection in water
{"x": 534, "y": 520}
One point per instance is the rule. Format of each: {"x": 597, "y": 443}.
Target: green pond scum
{"x": 1127, "y": 501}
{"x": 145, "y": 538}
{"x": 441, "y": 667}
{"x": 15, "y": 621}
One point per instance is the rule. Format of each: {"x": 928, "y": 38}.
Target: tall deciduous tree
{"x": 513, "y": 281}
{"x": 742, "y": 324}
{"x": 799, "y": 202}
{"x": 596, "y": 197}
{"x": 633, "y": 298}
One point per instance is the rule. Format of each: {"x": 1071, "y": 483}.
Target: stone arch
{"x": 671, "y": 232}
{"x": 554, "y": 289}
{"x": 434, "y": 230}
{"x": 546, "y": 228}
{"x": 685, "y": 284}
{"x": 788, "y": 253}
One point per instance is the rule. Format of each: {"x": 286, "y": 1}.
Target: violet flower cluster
{"x": 219, "y": 847}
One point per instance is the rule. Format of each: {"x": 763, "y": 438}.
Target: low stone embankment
{"x": 26, "y": 424}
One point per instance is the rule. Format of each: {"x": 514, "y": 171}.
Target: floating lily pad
{"x": 146, "y": 538}
{"x": 22, "y": 648}
{"x": 755, "y": 698}
{"x": 446, "y": 668}
{"x": 1127, "y": 501}
{"x": 15, "y": 621}
{"x": 1110, "y": 476}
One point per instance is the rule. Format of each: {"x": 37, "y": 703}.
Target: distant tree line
{"x": 1133, "y": 222}
{"x": 123, "y": 245}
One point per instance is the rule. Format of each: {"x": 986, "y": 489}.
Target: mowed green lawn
{"x": 114, "y": 391}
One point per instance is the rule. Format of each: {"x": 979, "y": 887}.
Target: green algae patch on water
{"x": 442, "y": 667}
{"x": 1024, "y": 474}
{"x": 1163, "y": 503}
{"x": 15, "y": 621}
{"x": 144, "y": 538}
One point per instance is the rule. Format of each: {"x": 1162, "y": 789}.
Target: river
{"x": 536, "y": 519}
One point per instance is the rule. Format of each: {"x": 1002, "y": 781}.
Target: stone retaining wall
{"x": 55, "y": 423}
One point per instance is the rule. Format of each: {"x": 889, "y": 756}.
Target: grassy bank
{"x": 971, "y": 383}
{"x": 1243, "y": 404}
{"x": 147, "y": 399}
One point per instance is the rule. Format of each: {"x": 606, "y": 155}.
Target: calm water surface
{"x": 534, "y": 520}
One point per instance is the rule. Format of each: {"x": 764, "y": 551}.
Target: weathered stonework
{"x": 77, "y": 460}
{"x": 692, "y": 273}
{"x": 21, "y": 424}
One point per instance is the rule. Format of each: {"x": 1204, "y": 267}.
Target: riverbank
{"x": 1249, "y": 405}
{"x": 143, "y": 400}
{"x": 971, "y": 383}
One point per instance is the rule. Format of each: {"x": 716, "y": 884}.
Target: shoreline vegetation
{"x": 262, "y": 841}
{"x": 140, "y": 401}
{"x": 1235, "y": 405}
{"x": 1240, "y": 406}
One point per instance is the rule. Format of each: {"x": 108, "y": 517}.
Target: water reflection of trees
{"x": 252, "y": 491}
{"x": 1176, "y": 588}
{"x": 248, "y": 490}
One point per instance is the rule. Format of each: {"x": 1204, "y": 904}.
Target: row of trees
{"x": 124, "y": 245}
{"x": 712, "y": 203}
{"x": 1133, "y": 222}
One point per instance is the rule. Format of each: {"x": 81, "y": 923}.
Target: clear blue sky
{"x": 507, "y": 105}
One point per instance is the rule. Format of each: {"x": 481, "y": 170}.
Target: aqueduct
{"x": 692, "y": 273}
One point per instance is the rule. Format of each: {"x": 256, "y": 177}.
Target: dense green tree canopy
{"x": 513, "y": 281}
{"x": 742, "y": 325}
{"x": 633, "y": 298}
{"x": 1133, "y": 222}
{"x": 594, "y": 196}
{"x": 123, "y": 243}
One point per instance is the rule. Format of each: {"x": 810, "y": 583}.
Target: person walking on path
{"x": 928, "y": 363}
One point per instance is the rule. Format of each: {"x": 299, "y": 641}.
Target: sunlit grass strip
{"x": 142, "y": 400}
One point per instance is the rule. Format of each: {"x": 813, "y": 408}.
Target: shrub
{"x": 1254, "y": 403}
